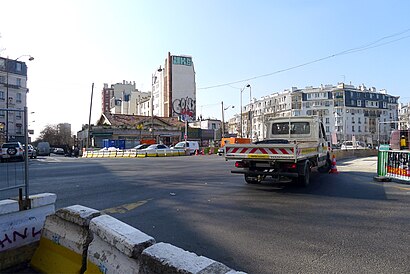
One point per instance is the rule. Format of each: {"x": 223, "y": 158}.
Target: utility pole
{"x": 89, "y": 117}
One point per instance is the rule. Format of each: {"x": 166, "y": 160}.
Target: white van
{"x": 43, "y": 149}
{"x": 191, "y": 146}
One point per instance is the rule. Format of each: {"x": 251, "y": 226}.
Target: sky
{"x": 270, "y": 45}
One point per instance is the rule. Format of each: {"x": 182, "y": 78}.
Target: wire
{"x": 367, "y": 46}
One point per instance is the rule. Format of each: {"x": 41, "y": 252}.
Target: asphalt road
{"x": 341, "y": 223}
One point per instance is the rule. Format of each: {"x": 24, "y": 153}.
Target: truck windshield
{"x": 295, "y": 128}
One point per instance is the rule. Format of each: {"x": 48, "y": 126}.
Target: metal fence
{"x": 394, "y": 164}
{"x": 14, "y": 175}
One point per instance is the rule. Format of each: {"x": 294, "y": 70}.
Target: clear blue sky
{"x": 76, "y": 43}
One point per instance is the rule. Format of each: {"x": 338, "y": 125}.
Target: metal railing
{"x": 14, "y": 175}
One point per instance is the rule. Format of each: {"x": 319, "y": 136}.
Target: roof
{"x": 134, "y": 120}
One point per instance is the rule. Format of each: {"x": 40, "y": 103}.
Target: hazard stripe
{"x": 263, "y": 151}
{"x": 284, "y": 151}
{"x": 253, "y": 150}
{"x": 234, "y": 150}
{"x": 244, "y": 150}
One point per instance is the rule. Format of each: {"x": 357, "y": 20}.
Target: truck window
{"x": 295, "y": 128}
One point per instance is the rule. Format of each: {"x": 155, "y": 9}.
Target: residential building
{"x": 404, "y": 116}
{"x": 122, "y": 98}
{"x": 348, "y": 112}
{"x": 13, "y": 95}
{"x": 174, "y": 89}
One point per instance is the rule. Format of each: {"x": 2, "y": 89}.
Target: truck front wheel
{"x": 253, "y": 179}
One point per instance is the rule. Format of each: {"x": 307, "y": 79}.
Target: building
{"x": 133, "y": 129}
{"x": 13, "y": 95}
{"x": 404, "y": 116}
{"x": 174, "y": 88}
{"x": 122, "y": 98}
{"x": 348, "y": 112}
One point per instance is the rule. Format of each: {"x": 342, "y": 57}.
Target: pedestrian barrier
{"x": 64, "y": 241}
{"x": 20, "y": 230}
{"x": 78, "y": 239}
{"x": 133, "y": 153}
{"x": 112, "y": 154}
{"x": 397, "y": 165}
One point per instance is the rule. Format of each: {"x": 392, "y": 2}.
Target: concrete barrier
{"x": 115, "y": 247}
{"x": 166, "y": 258}
{"x": 64, "y": 241}
{"x": 20, "y": 229}
{"x": 78, "y": 239}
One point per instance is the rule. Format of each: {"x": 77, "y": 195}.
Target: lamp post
{"x": 250, "y": 112}
{"x": 242, "y": 89}
{"x": 31, "y": 58}
{"x": 223, "y": 118}
{"x": 154, "y": 80}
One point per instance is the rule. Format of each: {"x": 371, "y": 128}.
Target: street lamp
{"x": 242, "y": 89}
{"x": 223, "y": 118}
{"x": 154, "y": 80}
{"x": 30, "y": 58}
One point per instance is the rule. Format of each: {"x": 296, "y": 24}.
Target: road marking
{"x": 126, "y": 207}
{"x": 401, "y": 188}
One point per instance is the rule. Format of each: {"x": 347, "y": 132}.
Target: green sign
{"x": 180, "y": 60}
{"x": 384, "y": 148}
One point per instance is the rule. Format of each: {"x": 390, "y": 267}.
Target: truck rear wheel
{"x": 326, "y": 167}
{"x": 253, "y": 179}
{"x": 304, "y": 179}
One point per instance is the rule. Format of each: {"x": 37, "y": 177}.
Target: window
{"x": 360, "y": 129}
{"x": 2, "y": 79}
{"x": 2, "y": 95}
{"x": 327, "y": 121}
{"x": 295, "y": 128}
{"x": 19, "y": 129}
{"x": 18, "y": 66}
{"x": 18, "y": 99}
{"x": 327, "y": 129}
{"x": 2, "y": 113}
{"x": 18, "y": 82}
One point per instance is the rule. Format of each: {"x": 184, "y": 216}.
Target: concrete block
{"x": 8, "y": 206}
{"x": 125, "y": 238}
{"x": 42, "y": 199}
{"x": 105, "y": 258}
{"x": 78, "y": 214}
{"x": 67, "y": 234}
{"x": 166, "y": 258}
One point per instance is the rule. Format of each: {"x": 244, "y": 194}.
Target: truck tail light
{"x": 291, "y": 166}
{"x": 241, "y": 164}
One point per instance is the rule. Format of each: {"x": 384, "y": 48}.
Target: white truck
{"x": 293, "y": 146}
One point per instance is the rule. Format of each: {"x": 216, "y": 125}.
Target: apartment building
{"x": 122, "y": 98}
{"x": 348, "y": 112}
{"x": 174, "y": 89}
{"x": 404, "y": 116}
{"x": 13, "y": 95}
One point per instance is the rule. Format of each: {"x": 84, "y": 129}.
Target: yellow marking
{"x": 402, "y": 188}
{"x": 50, "y": 257}
{"x": 126, "y": 207}
{"x": 308, "y": 150}
{"x": 93, "y": 269}
{"x": 258, "y": 156}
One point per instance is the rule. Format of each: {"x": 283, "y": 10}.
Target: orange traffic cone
{"x": 196, "y": 152}
{"x": 333, "y": 168}
{"x": 210, "y": 151}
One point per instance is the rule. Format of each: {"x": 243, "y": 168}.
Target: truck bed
{"x": 279, "y": 152}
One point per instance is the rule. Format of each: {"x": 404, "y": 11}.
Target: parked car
{"x": 156, "y": 149}
{"x": 190, "y": 146}
{"x": 12, "y": 151}
{"x": 141, "y": 146}
{"x": 351, "y": 145}
{"x": 58, "y": 150}
{"x": 31, "y": 151}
